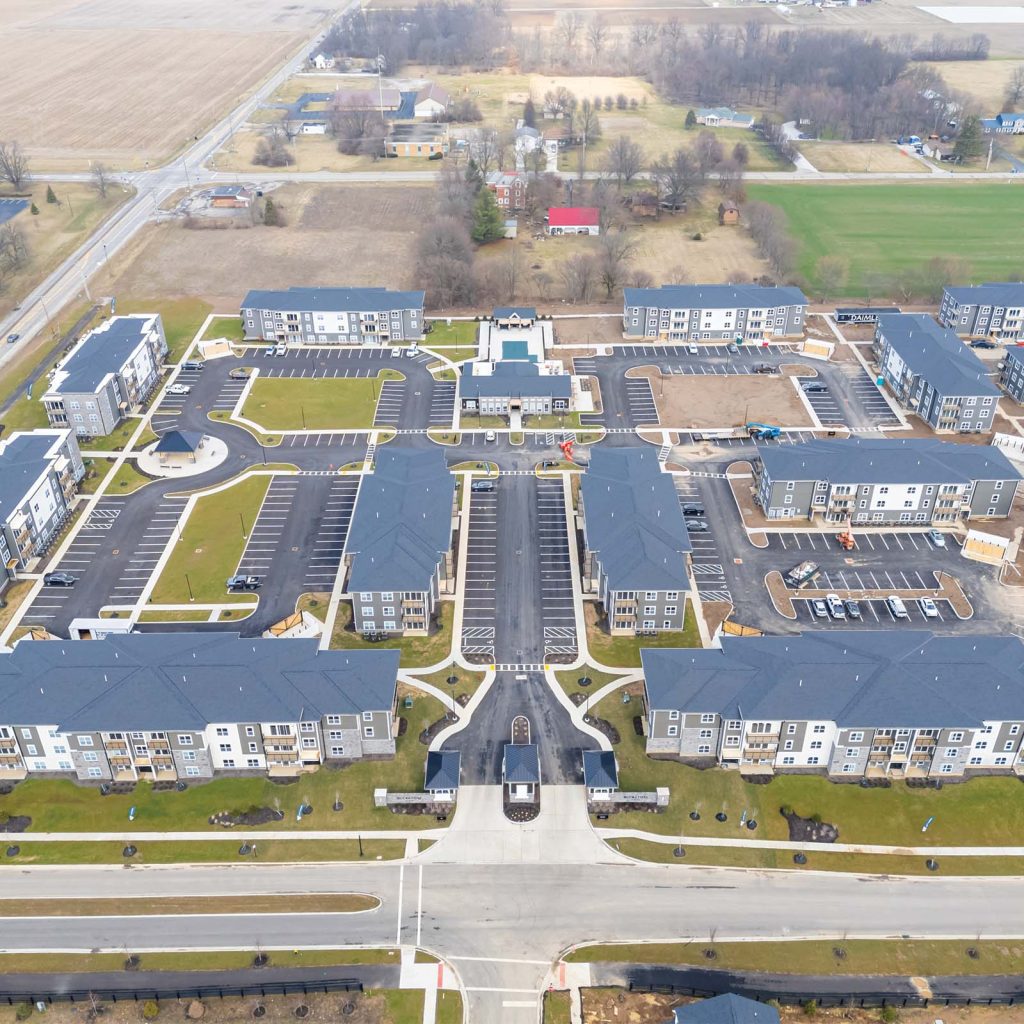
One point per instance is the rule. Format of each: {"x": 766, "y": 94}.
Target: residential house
{"x": 111, "y": 371}
{"x": 398, "y": 555}
{"x": 713, "y": 312}
{"x": 418, "y": 140}
{"x": 366, "y": 316}
{"x": 882, "y": 480}
{"x": 513, "y": 317}
{"x": 526, "y": 142}
{"x": 573, "y": 220}
{"x": 723, "y": 117}
{"x": 725, "y": 1009}
{"x": 932, "y": 373}
{"x": 862, "y": 314}
{"x": 232, "y": 197}
{"x": 1011, "y": 376}
{"x": 1003, "y": 124}
{"x": 514, "y": 386}
{"x": 39, "y": 475}
{"x": 845, "y": 703}
{"x": 432, "y": 101}
{"x": 442, "y": 775}
{"x": 636, "y": 548}
{"x": 600, "y": 774}
{"x": 509, "y": 188}
{"x": 994, "y": 309}
{"x": 728, "y": 212}
{"x": 167, "y": 706}
{"x": 322, "y": 62}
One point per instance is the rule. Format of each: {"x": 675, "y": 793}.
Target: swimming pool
{"x": 519, "y": 350}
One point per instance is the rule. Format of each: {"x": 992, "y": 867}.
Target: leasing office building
{"x": 636, "y": 546}
{"x": 713, "y": 312}
{"x": 110, "y": 371}
{"x": 845, "y": 703}
{"x": 932, "y": 373}
{"x": 513, "y": 385}
{"x": 165, "y": 706}
{"x": 352, "y": 316}
{"x": 884, "y": 481}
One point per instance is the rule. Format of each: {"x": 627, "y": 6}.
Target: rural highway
{"x": 523, "y": 915}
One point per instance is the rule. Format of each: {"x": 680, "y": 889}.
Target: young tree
{"x": 34, "y": 210}
{"x": 624, "y": 159}
{"x": 597, "y": 36}
{"x": 13, "y": 164}
{"x": 13, "y": 251}
{"x": 567, "y": 30}
{"x": 474, "y": 179}
{"x": 530, "y": 114}
{"x": 832, "y": 272}
{"x": 511, "y": 271}
{"x": 488, "y": 223}
{"x": 579, "y": 274}
{"x": 272, "y": 216}
{"x": 708, "y": 151}
{"x": 588, "y": 124}
{"x": 970, "y": 145}
{"x": 691, "y": 121}
{"x": 100, "y": 179}
{"x": 741, "y": 154}
{"x": 51, "y": 196}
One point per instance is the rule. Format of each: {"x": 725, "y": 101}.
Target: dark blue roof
{"x": 443, "y": 770}
{"x": 726, "y": 1009}
{"x": 23, "y": 458}
{"x": 333, "y": 300}
{"x": 521, "y": 763}
{"x": 523, "y": 312}
{"x": 179, "y": 441}
{"x": 11, "y": 208}
{"x": 600, "y": 770}
{"x": 101, "y": 352}
{"x": 714, "y": 296}
{"x": 515, "y": 378}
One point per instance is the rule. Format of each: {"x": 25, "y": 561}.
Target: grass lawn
{"x": 127, "y": 479}
{"x": 449, "y": 1007}
{"x": 95, "y": 472}
{"x": 229, "y": 327}
{"x": 322, "y": 403}
{"x": 175, "y": 615}
{"x": 182, "y": 319}
{"x": 624, "y": 651}
{"x": 115, "y": 441}
{"x": 211, "y": 546}
{"x": 147, "y": 436}
{"x": 886, "y": 229}
{"x": 458, "y": 333}
{"x": 474, "y": 421}
{"x": 982, "y": 812}
{"x": 224, "y": 416}
{"x": 916, "y": 957}
{"x": 468, "y": 684}
{"x": 557, "y": 1006}
{"x": 567, "y": 679}
{"x": 315, "y": 603}
{"x": 570, "y": 421}
{"x": 12, "y": 599}
{"x": 403, "y": 1006}
{"x": 419, "y": 650}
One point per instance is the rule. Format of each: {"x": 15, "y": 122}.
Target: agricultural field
{"x": 985, "y": 81}
{"x": 886, "y": 229}
{"x": 878, "y": 157}
{"x": 181, "y": 66}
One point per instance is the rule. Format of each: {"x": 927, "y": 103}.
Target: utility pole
{"x": 988, "y": 161}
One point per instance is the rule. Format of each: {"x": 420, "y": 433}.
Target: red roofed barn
{"x": 573, "y": 220}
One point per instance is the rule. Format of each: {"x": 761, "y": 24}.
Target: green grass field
{"x": 182, "y": 318}
{"x": 886, "y": 229}
{"x": 321, "y": 403}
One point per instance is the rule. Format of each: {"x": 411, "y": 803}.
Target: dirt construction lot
{"x": 128, "y": 81}
{"x": 365, "y": 234}
{"x": 698, "y": 403}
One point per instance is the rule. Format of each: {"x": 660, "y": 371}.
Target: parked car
{"x": 179, "y": 389}
{"x": 490, "y": 436}
{"x": 280, "y": 350}
{"x": 927, "y": 606}
{"x": 937, "y": 537}
{"x": 982, "y": 343}
{"x": 239, "y": 374}
{"x": 12, "y": 338}
{"x": 852, "y": 609}
{"x": 244, "y": 582}
{"x": 896, "y": 607}
{"x": 819, "y": 608}
{"x": 411, "y": 351}
{"x": 836, "y": 608}
{"x": 269, "y": 351}
{"x": 193, "y": 364}
{"x": 765, "y": 368}
{"x": 814, "y": 387}
{"x": 732, "y": 348}
{"x": 693, "y": 508}
{"x": 59, "y": 579}
{"x": 692, "y": 349}
{"x": 482, "y": 485}
{"x": 549, "y": 464}
{"x": 696, "y": 526}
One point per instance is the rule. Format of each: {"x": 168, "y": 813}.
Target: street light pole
{"x": 242, "y": 521}
{"x": 188, "y": 584}
{"x": 302, "y": 410}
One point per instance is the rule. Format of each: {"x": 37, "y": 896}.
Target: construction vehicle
{"x": 802, "y": 574}
{"x": 566, "y": 447}
{"x": 763, "y": 431}
{"x": 846, "y": 541}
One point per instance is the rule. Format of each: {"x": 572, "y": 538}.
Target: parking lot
{"x": 895, "y": 541}
{"x": 708, "y": 570}
{"x": 143, "y": 559}
{"x": 262, "y": 547}
{"x": 557, "y": 608}
{"x": 867, "y": 393}
{"x": 229, "y": 394}
{"x": 640, "y": 399}
{"x": 875, "y": 613}
{"x": 442, "y": 404}
{"x": 348, "y": 438}
{"x": 479, "y": 600}
{"x": 389, "y": 403}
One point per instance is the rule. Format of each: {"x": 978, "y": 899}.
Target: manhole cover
{"x": 116, "y": 551}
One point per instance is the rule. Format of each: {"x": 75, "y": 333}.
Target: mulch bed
{"x": 804, "y": 830}
{"x": 432, "y": 730}
{"x": 251, "y": 817}
{"x": 602, "y": 725}
{"x": 522, "y": 812}
{"x": 16, "y": 823}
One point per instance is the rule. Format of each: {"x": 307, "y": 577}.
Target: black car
{"x": 59, "y": 579}
{"x": 983, "y": 344}
{"x": 814, "y": 388}
{"x": 482, "y": 485}
{"x": 852, "y": 609}
{"x": 693, "y": 508}
{"x": 696, "y": 526}
{"x": 549, "y": 464}
{"x": 245, "y": 583}
{"x": 765, "y": 368}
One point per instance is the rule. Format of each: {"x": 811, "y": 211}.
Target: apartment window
{"x": 732, "y": 741}
{"x": 253, "y": 749}
{"x": 1014, "y": 729}
{"x": 975, "y": 760}
{"x": 819, "y": 728}
{"x": 673, "y": 716}
{"x": 307, "y": 727}
{"x": 790, "y": 485}
{"x": 853, "y": 751}
{"x": 815, "y": 744}
{"x": 365, "y": 597}
{"x": 856, "y": 737}
{"x": 733, "y": 724}
{"x": 704, "y": 748}
{"x": 707, "y": 719}
{"x": 184, "y": 740}
{"x": 789, "y": 760}
{"x": 673, "y": 730}
{"x": 308, "y": 743}
{"x": 788, "y": 745}
{"x": 334, "y": 719}
{"x": 389, "y": 626}
{"x": 813, "y": 760}
{"x": 672, "y": 595}
{"x": 191, "y": 771}
{"x": 705, "y": 734}
{"x": 387, "y": 595}
{"x": 95, "y": 773}
{"x": 252, "y": 762}
{"x": 229, "y": 762}
{"x": 670, "y": 609}
{"x": 250, "y": 730}
{"x": 85, "y": 741}
{"x": 791, "y": 730}
{"x": 225, "y": 748}
{"x": 954, "y": 737}
{"x": 337, "y": 751}
{"x": 367, "y": 611}
{"x": 650, "y": 609}
{"x": 388, "y": 613}
{"x": 221, "y": 731}
{"x": 335, "y": 734}
{"x": 188, "y": 755}
{"x": 1008, "y": 745}
{"x": 368, "y": 732}
{"x": 848, "y": 768}
{"x": 1000, "y": 760}
{"x": 946, "y": 769}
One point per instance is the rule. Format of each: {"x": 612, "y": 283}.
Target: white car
{"x": 490, "y": 436}
{"x": 927, "y": 606}
{"x": 937, "y": 538}
{"x": 836, "y": 608}
{"x": 179, "y": 389}
{"x": 693, "y": 350}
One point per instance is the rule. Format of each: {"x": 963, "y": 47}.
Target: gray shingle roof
{"x": 402, "y": 524}
{"x": 443, "y": 770}
{"x": 179, "y": 441}
{"x": 991, "y": 293}
{"x": 101, "y": 352}
{"x": 600, "y": 770}
{"x": 714, "y": 296}
{"x": 516, "y": 379}
{"x": 882, "y": 460}
{"x": 633, "y": 520}
{"x": 521, "y": 763}
{"x": 523, "y": 312}
{"x": 855, "y": 678}
{"x": 727, "y": 1009}
{"x": 1015, "y": 352}
{"x": 149, "y": 681}
{"x": 23, "y": 458}
{"x": 937, "y": 354}
{"x": 333, "y": 300}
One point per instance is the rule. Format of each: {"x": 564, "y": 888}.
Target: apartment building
{"x": 932, "y": 373}
{"x": 398, "y": 555}
{"x": 993, "y": 309}
{"x": 165, "y": 706}
{"x": 713, "y": 312}
{"x": 844, "y": 703}
{"x": 110, "y": 371}
{"x": 39, "y": 475}
{"x": 353, "y": 316}
{"x": 882, "y": 480}
{"x": 509, "y": 188}
{"x": 1011, "y": 374}
{"x": 636, "y": 546}
{"x": 512, "y": 385}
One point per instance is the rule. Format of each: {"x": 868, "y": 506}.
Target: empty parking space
{"x": 640, "y": 399}
{"x": 142, "y": 561}
{"x": 894, "y": 541}
{"x": 824, "y": 403}
{"x": 557, "y": 607}
{"x": 324, "y": 557}
{"x": 389, "y": 404}
{"x": 263, "y": 538}
{"x": 870, "y": 398}
{"x": 706, "y": 560}
{"x": 442, "y": 404}
{"x": 874, "y": 613}
{"x": 323, "y": 439}
{"x": 478, "y": 604}
{"x": 229, "y": 394}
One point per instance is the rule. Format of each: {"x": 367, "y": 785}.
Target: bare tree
{"x": 617, "y": 249}
{"x": 597, "y": 36}
{"x": 767, "y": 226}
{"x": 445, "y": 263}
{"x": 708, "y": 152}
{"x": 358, "y": 131}
{"x": 587, "y": 125}
{"x": 512, "y": 272}
{"x": 832, "y": 272}
{"x": 100, "y": 179}
{"x": 272, "y": 151}
{"x": 678, "y": 178}
{"x": 559, "y": 102}
{"x": 14, "y": 252}
{"x": 624, "y": 159}
{"x": 13, "y": 164}
{"x": 579, "y": 275}
{"x": 1015, "y": 87}
{"x": 485, "y": 149}
{"x": 567, "y": 30}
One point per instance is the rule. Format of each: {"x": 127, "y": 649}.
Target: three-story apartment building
{"x": 111, "y": 371}
{"x": 165, "y": 706}
{"x": 353, "y": 316}
{"x": 994, "y": 309}
{"x": 636, "y": 546}
{"x": 39, "y": 475}
{"x": 843, "y": 703}
{"x": 713, "y": 312}
{"x": 1011, "y": 376}
{"x": 398, "y": 554}
{"x": 884, "y": 481}
{"x": 932, "y": 373}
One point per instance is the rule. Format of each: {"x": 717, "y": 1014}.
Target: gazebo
{"x": 177, "y": 447}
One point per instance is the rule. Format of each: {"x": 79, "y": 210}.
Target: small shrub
{"x": 889, "y": 1015}
{"x": 23, "y": 1011}
{"x": 816, "y": 818}
{"x": 785, "y": 810}
{"x": 150, "y": 1009}
{"x": 698, "y": 236}
{"x": 810, "y": 1008}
